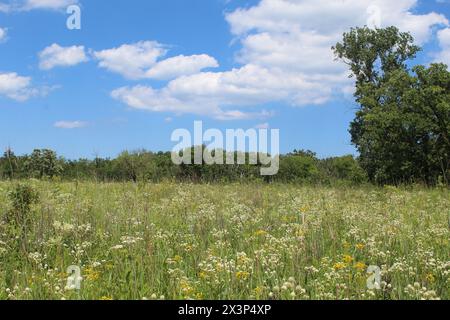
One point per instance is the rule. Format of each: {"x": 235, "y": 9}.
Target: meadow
{"x": 234, "y": 241}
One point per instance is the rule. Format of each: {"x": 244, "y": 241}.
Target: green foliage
{"x": 298, "y": 168}
{"x": 43, "y": 163}
{"x": 18, "y": 220}
{"x": 145, "y": 166}
{"x": 22, "y": 197}
{"x": 402, "y": 128}
{"x": 8, "y": 165}
{"x": 343, "y": 168}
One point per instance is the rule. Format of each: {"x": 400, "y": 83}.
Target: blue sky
{"x": 138, "y": 69}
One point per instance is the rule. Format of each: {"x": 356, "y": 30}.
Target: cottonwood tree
{"x": 402, "y": 126}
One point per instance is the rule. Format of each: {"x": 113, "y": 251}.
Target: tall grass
{"x": 182, "y": 241}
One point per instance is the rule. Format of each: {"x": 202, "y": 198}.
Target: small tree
{"x": 19, "y": 218}
{"x": 8, "y": 164}
{"x": 44, "y": 163}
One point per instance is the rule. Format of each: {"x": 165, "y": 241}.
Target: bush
{"x": 344, "y": 168}
{"x": 22, "y": 198}
{"x": 298, "y": 168}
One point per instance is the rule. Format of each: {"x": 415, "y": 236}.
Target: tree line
{"x": 146, "y": 166}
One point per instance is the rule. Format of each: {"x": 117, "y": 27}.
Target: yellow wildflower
{"x": 360, "y": 266}
{"x": 259, "y": 291}
{"x": 186, "y": 287}
{"x": 199, "y": 296}
{"x": 203, "y": 275}
{"x": 260, "y": 233}
{"x": 348, "y": 259}
{"x": 304, "y": 209}
{"x": 91, "y": 274}
{"x": 360, "y": 246}
{"x": 339, "y": 266}
{"x": 242, "y": 275}
{"x": 430, "y": 278}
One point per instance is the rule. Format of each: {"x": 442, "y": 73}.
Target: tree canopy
{"x": 402, "y": 126}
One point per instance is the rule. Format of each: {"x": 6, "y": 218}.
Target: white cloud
{"x": 70, "y": 124}
{"x": 285, "y": 57}
{"x": 16, "y": 87}
{"x": 5, "y": 7}
{"x": 131, "y": 60}
{"x": 146, "y": 98}
{"x": 142, "y": 60}
{"x": 172, "y": 68}
{"x": 3, "y": 34}
{"x": 57, "y": 56}
{"x": 444, "y": 42}
{"x": 47, "y": 4}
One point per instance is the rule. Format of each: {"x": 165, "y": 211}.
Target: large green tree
{"x": 402, "y": 125}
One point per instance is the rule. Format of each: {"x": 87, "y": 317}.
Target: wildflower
{"x": 346, "y": 245}
{"x": 304, "y": 209}
{"x": 242, "y": 275}
{"x": 260, "y": 233}
{"x": 203, "y": 275}
{"x": 339, "y": 266}
{"x": 430, "y": 278}
{"x": 186, "y": 287}
{"x": 348, "y": 259}
{"x": 199, "y": 296}
{"x": 259, "y": 291}
{"x": 91, "y": 274}
{"x": 360, "y": 266}
{"x": 360, "y": 246}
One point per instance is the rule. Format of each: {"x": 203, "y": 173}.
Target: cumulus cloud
{"x": 146, "y": 98}
{"x": 70, "y": 124}
{"x": 143, "y": 60}
{"x": 20, "y": 88}
{"x": 172, "y": 68}
{"x": 444, "y": 42}
{"x": 131, "y": 60}
{"x": 16, "y": 87}
{"x": 57, "y": 56}
{"x": 285, "y": 57}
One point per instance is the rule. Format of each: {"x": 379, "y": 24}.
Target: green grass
{"x": 181, "y": 241}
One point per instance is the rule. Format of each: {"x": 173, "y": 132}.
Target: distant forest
{"x": 145, "y": 166}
